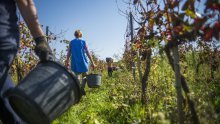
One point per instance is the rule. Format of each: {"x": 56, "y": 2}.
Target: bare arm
{"x": 89, "y": 55}
{"x": 29, "y": 13}
{"x": 67, "y": 57}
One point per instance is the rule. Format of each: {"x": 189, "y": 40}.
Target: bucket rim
{"x": 94, "y": 74}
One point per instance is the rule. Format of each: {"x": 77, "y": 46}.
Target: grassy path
{"x": 96, "y": 107}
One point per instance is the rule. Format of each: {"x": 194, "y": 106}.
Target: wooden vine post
{"x": 178, "y": 84}
{"x": 146, "y": 76}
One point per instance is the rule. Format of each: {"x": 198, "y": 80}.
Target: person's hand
{"x": 93, "y": 66}
{"x": 42, "y": 49}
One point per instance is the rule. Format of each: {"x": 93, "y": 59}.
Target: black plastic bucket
{"x": 109, "y": 59}
{"x": 45, "y": 93}
{"x": 93, "y": 80}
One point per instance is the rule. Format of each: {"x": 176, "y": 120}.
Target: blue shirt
{"x": 79, "y": 62}
{"x": 9, "y": 33}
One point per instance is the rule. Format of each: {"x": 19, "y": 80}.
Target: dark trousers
{"x": 7, "y": 115}
{"x": 110, "y": 70}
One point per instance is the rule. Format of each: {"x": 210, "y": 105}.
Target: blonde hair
{"x": 78, "y": 34}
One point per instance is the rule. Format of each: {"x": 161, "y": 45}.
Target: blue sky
{"x": 102, "y": 26}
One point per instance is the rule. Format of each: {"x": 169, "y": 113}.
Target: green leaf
{"x": 190, "y": 13}
{"x": 187, "y": 28}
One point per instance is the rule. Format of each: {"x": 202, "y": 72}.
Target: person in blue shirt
{"x": 78, "y": 49}
{"x": 9, "y": 43}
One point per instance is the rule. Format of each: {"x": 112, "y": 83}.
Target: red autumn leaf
{"x": 214, "y": 6}
{"x": 138, "y": 44}
{"x": 208, "y": 34}
{"x": 168, "y": 32}
{"x": 217, "y": 25}
{"x": 198, "y": 20}
{"x": 178, "y": 29}
{"x": 203, "y": 28}
{"x": 163, "y": 33}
